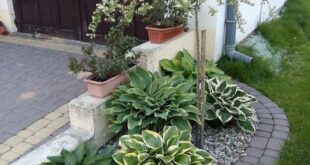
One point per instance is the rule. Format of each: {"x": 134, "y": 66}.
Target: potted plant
{"x": 110, "y": 69}
{"x": 167, "y": 19}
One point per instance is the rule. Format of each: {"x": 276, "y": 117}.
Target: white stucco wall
{"x": 7, "y": 15}
{"x": 215, "y": 25}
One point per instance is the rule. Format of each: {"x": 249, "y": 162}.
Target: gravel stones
{"x": 226, "y": 145}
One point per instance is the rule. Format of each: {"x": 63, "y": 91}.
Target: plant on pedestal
{"x": 109, "y": 69}
{"x": 167, "y": 19}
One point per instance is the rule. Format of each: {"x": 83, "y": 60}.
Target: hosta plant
{"x": 173, "y": 147}
{"x": 227, "y": 102}
{"x": 184, "y": 64}
{"x": 151, "y": 101}
{"x": 84, "y": 154}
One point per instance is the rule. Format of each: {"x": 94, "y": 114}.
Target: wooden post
{"x": 201, "y": 89}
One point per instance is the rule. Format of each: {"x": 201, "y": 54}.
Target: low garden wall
{"x": 153, "y": 53}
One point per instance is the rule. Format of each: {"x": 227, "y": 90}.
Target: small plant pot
{"x": 102, "y": 89}
{"x": 160, "y": 35}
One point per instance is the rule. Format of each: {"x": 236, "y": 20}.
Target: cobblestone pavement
{"x": 33, "y": 82}
{"x": 272, "y": 132}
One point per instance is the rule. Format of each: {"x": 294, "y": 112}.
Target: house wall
{"x": 215, "y": 25}
{"x": 7, "y": 15}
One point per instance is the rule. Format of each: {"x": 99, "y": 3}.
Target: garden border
{"x": 272, "y": 131}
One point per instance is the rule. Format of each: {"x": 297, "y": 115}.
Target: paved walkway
{"x": 33, "y": 82}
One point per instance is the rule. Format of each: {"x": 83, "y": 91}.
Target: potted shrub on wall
{"x": 167, "y": 19}
{"x": 110, "y": 69}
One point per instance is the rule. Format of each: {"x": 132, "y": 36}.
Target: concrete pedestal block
{"x": 86, "y": 114}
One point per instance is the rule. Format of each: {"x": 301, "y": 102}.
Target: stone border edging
{"x": 27, "y": 139}
{"x": 272, "y": 131}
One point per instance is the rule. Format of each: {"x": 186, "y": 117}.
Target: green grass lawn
{"x": 290, "y": 88}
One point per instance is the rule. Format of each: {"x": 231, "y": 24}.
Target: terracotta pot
{"x": 102, "y": 89}
{"x": 3, "y": 31}
{"x": 160, "y": 35}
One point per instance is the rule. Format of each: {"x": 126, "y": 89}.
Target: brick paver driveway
{"x": 33, "y": 82}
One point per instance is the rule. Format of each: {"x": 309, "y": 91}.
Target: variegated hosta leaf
{"x": 151, "y": 101}
{"x": 185, "y": 65}
{"x": 227, "y": 102}
{"x": 172, "y": 147}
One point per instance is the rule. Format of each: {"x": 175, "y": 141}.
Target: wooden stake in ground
{"x": 201, "y": 89}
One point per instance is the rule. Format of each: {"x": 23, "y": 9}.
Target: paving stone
{"x": 275, "y": 144}
{"x": 3, "y": 162}
{"x": 242, "y": 163}
{"x": 4, "y": 148}
{"x": 281, "y": 128}
{"x": 259, "y": 142}
{"x": 58, "y": 123}
{"x": 21, "y": 148}
{"x": 10, "y": 156}
{"x": 279, "y": 116}
{"x": 256, "y": 152}
{"x": 24, "y": 133}
{"x": 271, "y": 105}
{"x": 39, "y": 69}
{"x": 281, "y": 122}
{"x": 262, "y": 110}
{"x": 265, "y": 127}
{"x": 267, "y": 160}
{"x": 33, "y": 140}
{"x": 264, "y": 100}
{"x": 266, "y": 121}
{"x": 44, "y": 133}
{"x": 258, "y": 105}
{"x": 54, "y": 115}
{"x": 264, "y": 116}
{"x": 276, "y": 110}
{"x": 38, "y": 125}
{"x": 280, "y": 135}
{"x": 271, "y": 153}
{"x": 263, "y": 134}
{"x": 13, "y": 141}
{"x": 250, "y": 159}
{"x": 63, "y": 109}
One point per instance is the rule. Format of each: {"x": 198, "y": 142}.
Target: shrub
{"x": 167, "y": 13}
{"x": 84, "y": 154}
{"x": 172, "y": 147}
{"x": 151, "y": 101}
{"x": 227, "y": 102}
{"x": 185, "y": 65}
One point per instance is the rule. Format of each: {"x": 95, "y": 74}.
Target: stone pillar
{"x": 86, "y": 114}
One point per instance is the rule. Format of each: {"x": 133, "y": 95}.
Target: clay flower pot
{"x": 160, "y": 35}
{"x": 102, "y": 89}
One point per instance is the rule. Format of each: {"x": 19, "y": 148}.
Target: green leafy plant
{"x": 107, "y": 66}
{"x": 167, "y": 13}
{"x": 173, "y": 147}
{"x": 227, "y": 102}
{"x": 84, "y": 154}
{"x": 151, "y": 101}
{"x": 185, "y": 65}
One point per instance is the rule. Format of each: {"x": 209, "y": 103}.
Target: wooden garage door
{"x": 65, "y": 18}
